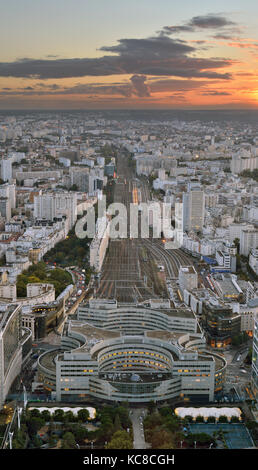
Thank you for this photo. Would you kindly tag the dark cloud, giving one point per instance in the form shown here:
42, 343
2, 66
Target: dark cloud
139, 86
176, 85
215, 93
52, 86
112, 89
210, 21
126, 90
158, 46
222, 36
160, 55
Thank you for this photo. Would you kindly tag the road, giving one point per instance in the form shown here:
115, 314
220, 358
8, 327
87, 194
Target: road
137, 416
238, 375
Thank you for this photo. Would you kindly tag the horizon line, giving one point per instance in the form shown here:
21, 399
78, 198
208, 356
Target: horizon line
129, 109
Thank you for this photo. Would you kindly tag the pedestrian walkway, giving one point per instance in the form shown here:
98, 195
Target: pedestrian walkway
137, 416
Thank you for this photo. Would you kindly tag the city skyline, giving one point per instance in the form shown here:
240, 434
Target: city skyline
64, 55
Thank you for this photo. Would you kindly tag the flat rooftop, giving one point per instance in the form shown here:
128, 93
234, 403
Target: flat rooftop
92, 334
48, 359
188, 269
172, 312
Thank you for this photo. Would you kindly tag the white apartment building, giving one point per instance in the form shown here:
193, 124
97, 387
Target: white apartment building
243, 161
254, 373
99, 244
211, 199
248, 241
11, 348
53, 205
9, 191
188, 278
193, 210
223, 259
5, 208
235, 230
253, 260
6, 169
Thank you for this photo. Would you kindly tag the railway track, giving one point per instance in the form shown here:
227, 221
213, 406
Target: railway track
126, 274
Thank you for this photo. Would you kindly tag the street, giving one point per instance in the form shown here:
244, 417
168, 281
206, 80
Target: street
137, 416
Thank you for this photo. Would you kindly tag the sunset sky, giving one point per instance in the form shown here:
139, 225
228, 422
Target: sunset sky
97, 54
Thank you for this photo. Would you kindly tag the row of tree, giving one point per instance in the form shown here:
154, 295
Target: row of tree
40, 272
165, 430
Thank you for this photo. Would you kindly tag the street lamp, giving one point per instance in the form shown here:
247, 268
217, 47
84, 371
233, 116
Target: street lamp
11, 439
19, 412
25, 399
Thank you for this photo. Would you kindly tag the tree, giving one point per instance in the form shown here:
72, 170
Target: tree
120, 440
35, 413
161, 439
34, 424
80, 432
83, 415
151, 406
58, 415
69, 417
165, 411
46, 415
117, 423
123, 412
68, 441
237, 243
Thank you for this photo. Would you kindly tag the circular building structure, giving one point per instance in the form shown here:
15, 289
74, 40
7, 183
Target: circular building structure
109, 365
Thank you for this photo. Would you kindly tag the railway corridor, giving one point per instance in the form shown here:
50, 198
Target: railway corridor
130, 270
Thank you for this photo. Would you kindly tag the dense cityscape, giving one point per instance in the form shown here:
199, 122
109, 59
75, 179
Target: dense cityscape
128, 232
128, 342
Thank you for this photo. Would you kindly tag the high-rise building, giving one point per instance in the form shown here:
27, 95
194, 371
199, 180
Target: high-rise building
15, 344
6, 169
53, 205
243, 161
5, 208
80, 178
254, 373
253, 260
248, 241
9, 191
221, 324
193, 210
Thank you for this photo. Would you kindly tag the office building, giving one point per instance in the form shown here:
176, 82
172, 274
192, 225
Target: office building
193, 210
136, 354
188, 278
15, 345
220, 323
53, 205
5, 208
253, 260
6, 169
248, 241
254, 373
